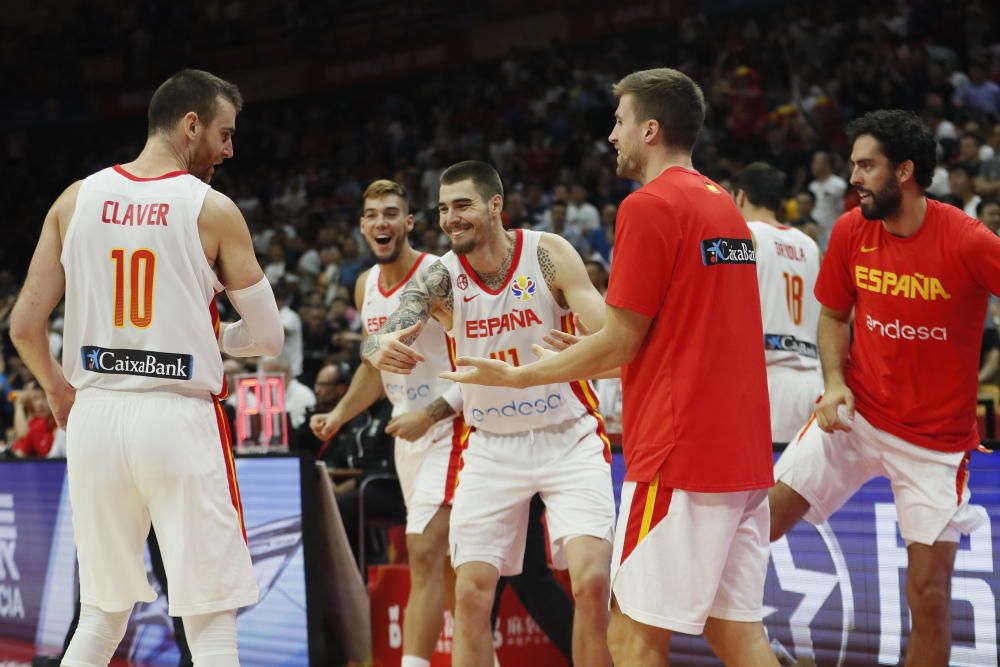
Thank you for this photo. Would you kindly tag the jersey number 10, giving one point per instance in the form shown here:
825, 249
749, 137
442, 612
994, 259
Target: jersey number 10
138, 281
793, 297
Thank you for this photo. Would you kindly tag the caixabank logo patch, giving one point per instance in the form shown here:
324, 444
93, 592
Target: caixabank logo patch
718, 251
118, 361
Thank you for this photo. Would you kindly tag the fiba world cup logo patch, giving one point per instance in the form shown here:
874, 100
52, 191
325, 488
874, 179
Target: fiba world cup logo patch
523, 287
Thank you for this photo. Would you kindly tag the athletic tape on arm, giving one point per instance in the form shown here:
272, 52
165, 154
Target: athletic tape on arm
260, 331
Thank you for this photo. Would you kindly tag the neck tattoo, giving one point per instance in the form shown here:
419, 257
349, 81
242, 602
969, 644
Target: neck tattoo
495, 280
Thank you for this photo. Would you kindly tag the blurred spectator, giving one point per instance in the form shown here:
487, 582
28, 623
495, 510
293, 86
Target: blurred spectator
559, 225
980, 93
34, 425
988, 211
602, 239
516, 213
317, 340
284, 293
828, 190
597, 271
805, 203
352, 263
580, 213
331, 384
275, 267
299, 399
960, 181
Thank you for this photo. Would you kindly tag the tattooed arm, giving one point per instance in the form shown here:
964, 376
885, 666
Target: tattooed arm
567, 279
427, 294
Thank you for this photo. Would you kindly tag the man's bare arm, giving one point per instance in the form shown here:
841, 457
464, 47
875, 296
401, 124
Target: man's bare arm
834, 338
615, 345
229, 248
227, 242
43, 288
427, 294
566, 275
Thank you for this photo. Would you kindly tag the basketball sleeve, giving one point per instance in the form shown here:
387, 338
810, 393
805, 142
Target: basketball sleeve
834, 288
645, 251
980, 253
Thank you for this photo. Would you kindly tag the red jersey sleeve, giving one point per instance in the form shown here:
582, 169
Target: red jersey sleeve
980, 253
834, 287
644, 254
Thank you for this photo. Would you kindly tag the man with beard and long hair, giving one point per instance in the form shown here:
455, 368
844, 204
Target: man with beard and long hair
900, 399
683, 322
426, 422
501, 293
140, 250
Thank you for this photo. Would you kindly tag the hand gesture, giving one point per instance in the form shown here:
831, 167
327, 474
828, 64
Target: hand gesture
324, 426
409, 425
488, 372
835, 411
387, 352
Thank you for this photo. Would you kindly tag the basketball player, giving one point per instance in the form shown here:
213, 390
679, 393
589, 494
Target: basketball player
787, 266
682, 307
429, 437
499, 292
140, 250
900, 400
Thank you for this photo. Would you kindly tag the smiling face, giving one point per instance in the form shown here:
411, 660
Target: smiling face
875, 179
385, 222
626, 137
211, 143
466, 217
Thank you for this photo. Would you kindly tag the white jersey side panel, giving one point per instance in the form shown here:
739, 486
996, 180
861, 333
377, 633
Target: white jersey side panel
787, 266
139, 292
418, 389
503, 325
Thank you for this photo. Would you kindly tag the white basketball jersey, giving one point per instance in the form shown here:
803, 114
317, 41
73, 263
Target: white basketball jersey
418, 389
140, 295
787, 266
503, 325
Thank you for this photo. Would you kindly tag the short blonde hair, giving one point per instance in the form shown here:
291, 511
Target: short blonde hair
384, 187
670, 98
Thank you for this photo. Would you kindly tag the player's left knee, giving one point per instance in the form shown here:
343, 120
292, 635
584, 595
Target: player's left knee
591, 586
928, 597
427, 557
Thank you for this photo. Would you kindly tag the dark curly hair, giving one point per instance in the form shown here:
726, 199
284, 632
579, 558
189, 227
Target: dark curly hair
902, 136
763, 184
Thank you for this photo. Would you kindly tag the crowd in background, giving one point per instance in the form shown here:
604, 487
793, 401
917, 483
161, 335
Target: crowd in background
779, 90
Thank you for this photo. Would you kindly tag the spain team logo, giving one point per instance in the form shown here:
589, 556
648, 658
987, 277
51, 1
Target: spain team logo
523, 287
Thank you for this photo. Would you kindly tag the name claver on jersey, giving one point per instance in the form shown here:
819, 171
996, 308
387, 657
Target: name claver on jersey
727, 251
168, 365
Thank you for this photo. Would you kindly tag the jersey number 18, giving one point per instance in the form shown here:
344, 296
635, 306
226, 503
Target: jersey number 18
793, 297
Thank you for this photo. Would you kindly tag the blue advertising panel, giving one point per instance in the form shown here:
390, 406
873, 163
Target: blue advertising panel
38, 571
835, 593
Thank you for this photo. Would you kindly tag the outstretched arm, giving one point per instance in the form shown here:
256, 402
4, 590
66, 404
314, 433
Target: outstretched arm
427, 294
616, 344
